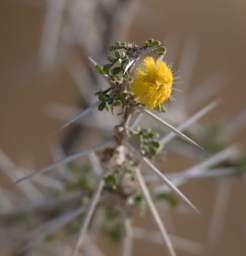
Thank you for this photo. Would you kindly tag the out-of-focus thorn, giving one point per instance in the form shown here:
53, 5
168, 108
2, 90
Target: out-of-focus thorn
205, 91
50, 227
234, 126
27, 188
80, 115
77, 74
187, 123
136, 120
68, 159
51, 32
200, 169
57, 153
179, 243
217, 220
61, 111
186, 67
95, 163
5, 202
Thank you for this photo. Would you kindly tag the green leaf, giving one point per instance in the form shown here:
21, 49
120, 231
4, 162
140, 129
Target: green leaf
152, 42
102, 106
169, 198
161, 108
100, 69
112, 224
110, 181
154, 144
106, 68
116, 71
160, 51
148, 142
140, 203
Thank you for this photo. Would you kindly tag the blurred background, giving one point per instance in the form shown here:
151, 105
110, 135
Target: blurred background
45, 78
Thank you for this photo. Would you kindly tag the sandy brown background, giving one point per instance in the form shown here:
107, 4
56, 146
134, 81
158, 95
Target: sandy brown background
27, 133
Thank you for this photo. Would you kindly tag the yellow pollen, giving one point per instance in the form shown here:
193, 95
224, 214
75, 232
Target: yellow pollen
152, 82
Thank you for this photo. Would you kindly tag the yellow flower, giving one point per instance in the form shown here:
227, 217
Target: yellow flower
152, 82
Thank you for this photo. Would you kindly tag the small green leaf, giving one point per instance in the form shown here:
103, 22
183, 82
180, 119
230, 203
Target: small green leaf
161, 108
116, 71
100, 69
139, 202
110, 181
102, 106
106, 68
154, 144
112, 224
169, 198
160, 51
152, 42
